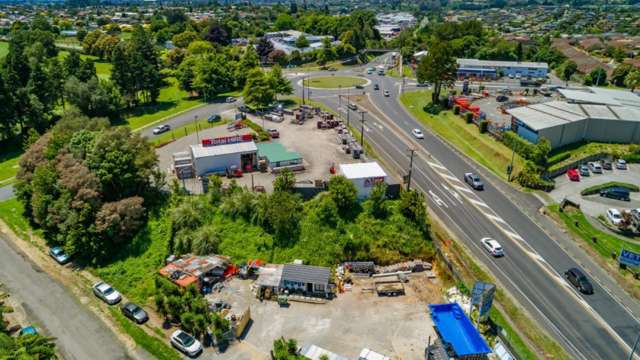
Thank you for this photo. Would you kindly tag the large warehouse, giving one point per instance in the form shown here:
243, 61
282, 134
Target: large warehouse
220, 154
494, 69
563, 122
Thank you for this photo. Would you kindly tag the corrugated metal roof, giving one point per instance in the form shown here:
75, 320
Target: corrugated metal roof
199, 151
275, 152
362, 170
493, 63
599, 112
306, 273
587, 97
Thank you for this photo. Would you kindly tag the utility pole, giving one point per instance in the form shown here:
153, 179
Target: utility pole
339, 96
195, 122
362, 128
403, 82
510, 166
303, 90
348, 109
412, 152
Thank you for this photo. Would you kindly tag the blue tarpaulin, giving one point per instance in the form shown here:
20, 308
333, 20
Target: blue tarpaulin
456, 329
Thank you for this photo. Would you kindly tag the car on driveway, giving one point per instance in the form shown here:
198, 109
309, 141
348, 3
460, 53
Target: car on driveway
577, 279
621, 164
186, 343
573, 175
474, 181
616, 192
595, 167
584, 170
106, 293
386, 93
231, 99
417, 133
614, 216
161, 129
59, 255
134, 312
492, 246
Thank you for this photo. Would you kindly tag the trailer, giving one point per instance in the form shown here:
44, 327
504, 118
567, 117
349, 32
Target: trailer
389, 287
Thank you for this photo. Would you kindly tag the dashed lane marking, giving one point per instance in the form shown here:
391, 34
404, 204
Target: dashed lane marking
495, 218
432, 164
478, 202
462, 188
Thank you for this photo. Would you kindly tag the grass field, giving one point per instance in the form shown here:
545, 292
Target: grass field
4, 49
465, 137
9, 166
334, 82
103, 68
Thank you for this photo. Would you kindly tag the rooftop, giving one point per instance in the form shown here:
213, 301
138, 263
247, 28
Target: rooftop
276, 152
306, 273
314, 352
473, 63
594, 95
199, 151
362, 170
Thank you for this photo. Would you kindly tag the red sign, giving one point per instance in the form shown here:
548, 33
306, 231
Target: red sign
225, 140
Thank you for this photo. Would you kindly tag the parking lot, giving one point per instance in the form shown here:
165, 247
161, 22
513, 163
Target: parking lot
398, 327
594, 205
490, 106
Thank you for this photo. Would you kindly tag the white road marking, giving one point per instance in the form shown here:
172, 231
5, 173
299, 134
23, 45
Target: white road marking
432, 164
437, 199
478, 202
467, 190
495, 218
450, 177
513, 235
452, 192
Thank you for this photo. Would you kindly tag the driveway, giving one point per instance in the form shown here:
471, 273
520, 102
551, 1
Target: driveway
55, 311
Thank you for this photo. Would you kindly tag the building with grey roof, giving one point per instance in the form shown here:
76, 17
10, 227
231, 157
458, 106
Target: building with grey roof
308, 279
564, 123
493, 69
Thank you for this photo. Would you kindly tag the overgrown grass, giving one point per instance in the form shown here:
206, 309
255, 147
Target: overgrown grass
4, 49
596, 188
334, 82
11, 213
483, 148
581, 150
185, 130
155, 346
9, 166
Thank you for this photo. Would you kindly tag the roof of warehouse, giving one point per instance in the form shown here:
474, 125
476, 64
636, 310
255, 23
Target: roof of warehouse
475, 63
275, 152
601, 96
362, 170
216, 150
306, 273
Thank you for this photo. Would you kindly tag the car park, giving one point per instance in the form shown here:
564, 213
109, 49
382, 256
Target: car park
584, 170
106, 293
614, 216
573, 175
273, 133
606, 165
595, 167
474, 181
492, 246
134, 312
621, 164
230, 99
59, 255
161, 129
417, 133
386, 93
578, 280
186, 343
616, 192
376, 87
214, 118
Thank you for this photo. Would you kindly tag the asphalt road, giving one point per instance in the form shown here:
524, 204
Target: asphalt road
588, 327
79, 333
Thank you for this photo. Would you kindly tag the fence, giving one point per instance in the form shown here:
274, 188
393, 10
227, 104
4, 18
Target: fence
563, 169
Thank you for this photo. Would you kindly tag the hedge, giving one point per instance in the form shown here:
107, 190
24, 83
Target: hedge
632, 158
596, 188
556, 159
522, 146
484, 126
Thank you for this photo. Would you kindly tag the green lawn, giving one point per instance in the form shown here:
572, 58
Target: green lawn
9, 166
103, 68
185, 130
334, 82
483, 148
4, 49
11, 213
157, 347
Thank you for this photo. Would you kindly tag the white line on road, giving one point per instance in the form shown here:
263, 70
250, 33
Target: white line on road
464, 189
437, 199
495, 218
450, 177
432, 164
452, 192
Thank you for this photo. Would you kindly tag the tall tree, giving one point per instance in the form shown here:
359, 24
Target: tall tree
632, 81
438, 67
280, 84
258, 89
567, 69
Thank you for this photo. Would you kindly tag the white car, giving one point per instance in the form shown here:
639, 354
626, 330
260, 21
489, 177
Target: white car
106, 293
417, 133
186, 343
595, 167
231, 99
386, 93
492, 246
614, 216
621, 164
161, 129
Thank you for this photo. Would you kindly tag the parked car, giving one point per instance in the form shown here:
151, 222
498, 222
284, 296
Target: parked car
616, 192
422, 84
352, 106
417, 133
245, 109
376, 87
186, 343
332, 69
492, 246
573, 175
595, 167
606, 165
386, 93
29, 330
161, 129
275, 134
231, 99
474, 181
502, 98
614, 216
577, 279
106, 293
584, 170
134, 312
621, 164
359, 86
214, 118
59, 255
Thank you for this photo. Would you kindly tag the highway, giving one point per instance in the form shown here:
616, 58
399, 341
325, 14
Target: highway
587, 326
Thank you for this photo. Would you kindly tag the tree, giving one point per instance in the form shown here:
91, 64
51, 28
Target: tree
249, 61
377, 198
541, 153
186, 74
284, 21
103, 48
343, 192
200, 47
213, 75
95, 98
568, 68
620, 74
284, 349
285, 181
632, 81
264, 47
413, 207
258, 89
302, 42
437, 67
117, 220
183, 39
218, 34
597, 77
277, 57
280, 84
90, 40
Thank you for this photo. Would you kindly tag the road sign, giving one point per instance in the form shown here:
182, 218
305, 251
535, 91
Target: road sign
629, 258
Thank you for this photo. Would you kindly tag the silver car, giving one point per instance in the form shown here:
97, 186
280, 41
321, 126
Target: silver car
186, 343
106, 293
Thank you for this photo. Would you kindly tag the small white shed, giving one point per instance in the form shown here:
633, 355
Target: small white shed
364, 176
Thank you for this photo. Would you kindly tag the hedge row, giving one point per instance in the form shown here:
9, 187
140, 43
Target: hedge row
522, 146
596, 188
556, 159
632, 158
263, 135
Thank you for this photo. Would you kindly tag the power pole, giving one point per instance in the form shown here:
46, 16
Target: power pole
303, 91
362, 128
339, 96
195, 122
348, 109
412, 152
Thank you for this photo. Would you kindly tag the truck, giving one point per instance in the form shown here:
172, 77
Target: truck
389, 287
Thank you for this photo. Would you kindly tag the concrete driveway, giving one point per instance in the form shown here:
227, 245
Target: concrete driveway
594, 205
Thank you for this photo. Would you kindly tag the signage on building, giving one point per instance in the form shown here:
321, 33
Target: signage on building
225, 140
369, 182
629, 258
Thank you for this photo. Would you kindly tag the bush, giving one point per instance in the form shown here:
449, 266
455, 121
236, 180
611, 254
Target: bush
433, 109
558, 158
522, 146
261, 134
529, 177
456, 110
484, 126
468, 117
632, 158
596, 188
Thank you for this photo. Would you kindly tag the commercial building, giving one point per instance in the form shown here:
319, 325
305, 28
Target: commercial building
391, 24
364, 176
492, 69
592, 114
219, 155
278, 157
286, 41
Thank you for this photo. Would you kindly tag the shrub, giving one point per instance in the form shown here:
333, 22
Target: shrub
484, 126
261, 134
558, 158
529, 177
596, 188
522, 146
433, 109
468, 117
632, 158
456, 110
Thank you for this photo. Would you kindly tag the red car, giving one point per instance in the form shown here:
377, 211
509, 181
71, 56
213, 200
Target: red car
573, 175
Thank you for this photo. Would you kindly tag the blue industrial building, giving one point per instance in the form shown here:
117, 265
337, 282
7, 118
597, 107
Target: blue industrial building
490, 69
